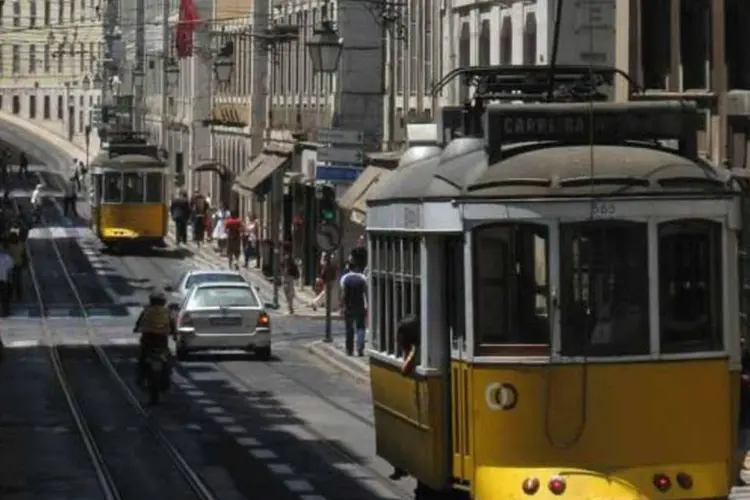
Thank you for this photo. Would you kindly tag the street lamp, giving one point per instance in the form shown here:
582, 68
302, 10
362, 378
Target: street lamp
223, 67
138, 77
325, 48
173, 72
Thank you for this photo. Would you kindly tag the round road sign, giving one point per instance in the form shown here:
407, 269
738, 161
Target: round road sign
328, 237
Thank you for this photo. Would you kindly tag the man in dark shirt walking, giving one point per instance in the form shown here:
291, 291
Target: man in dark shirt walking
354, 307
180, 211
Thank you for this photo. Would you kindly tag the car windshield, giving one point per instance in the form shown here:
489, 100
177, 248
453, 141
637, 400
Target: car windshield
198, 279
224, 296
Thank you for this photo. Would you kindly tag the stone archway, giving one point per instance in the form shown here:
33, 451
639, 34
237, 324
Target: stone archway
40, 145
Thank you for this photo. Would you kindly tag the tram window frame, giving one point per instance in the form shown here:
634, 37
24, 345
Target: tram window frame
454, 292
577, 261
96, 180
107, 178
706, 268
487, 309
152, 189
140, 186
395, 286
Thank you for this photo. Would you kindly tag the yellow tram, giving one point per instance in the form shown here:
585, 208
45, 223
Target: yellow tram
578, 286
129, 205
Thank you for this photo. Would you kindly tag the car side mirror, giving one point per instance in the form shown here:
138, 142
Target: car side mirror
169, 288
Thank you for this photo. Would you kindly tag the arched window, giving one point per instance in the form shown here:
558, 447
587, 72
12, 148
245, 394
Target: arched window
464, 56
484, 44
506, 41
529, 40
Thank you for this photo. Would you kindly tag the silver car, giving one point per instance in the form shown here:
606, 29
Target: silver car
223, 315
195, 277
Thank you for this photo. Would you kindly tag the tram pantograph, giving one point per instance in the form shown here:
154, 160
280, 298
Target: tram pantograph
575, 267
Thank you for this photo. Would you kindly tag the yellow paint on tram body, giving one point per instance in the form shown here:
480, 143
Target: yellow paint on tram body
132, 221
608, 428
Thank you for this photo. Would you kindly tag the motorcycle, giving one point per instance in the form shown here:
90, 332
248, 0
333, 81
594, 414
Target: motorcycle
158, 370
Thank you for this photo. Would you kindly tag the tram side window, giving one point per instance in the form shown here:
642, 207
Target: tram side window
133, 192
112, 187
395, 287
97, 182
154, 187
511, 293
690, 286
604, 288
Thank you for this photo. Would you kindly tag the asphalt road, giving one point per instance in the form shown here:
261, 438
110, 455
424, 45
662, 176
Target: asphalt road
288, 429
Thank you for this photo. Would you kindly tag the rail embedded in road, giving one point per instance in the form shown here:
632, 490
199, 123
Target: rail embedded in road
104, 476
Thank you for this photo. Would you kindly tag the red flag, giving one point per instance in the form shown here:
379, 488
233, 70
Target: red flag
185, 28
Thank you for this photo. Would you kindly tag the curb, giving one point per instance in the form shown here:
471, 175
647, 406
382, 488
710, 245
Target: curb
320, 349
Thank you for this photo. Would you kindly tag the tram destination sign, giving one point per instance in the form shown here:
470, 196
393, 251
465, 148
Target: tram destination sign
580, 125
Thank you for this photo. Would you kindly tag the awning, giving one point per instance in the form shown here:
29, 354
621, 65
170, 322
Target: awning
258, 171
358, 190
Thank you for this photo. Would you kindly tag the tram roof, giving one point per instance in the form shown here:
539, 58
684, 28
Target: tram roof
128, 162
546, 170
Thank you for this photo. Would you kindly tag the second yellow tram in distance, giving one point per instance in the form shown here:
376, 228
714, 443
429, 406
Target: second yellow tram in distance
129, 206
578, 288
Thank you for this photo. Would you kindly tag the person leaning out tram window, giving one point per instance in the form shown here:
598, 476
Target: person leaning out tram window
155, 324
408, 335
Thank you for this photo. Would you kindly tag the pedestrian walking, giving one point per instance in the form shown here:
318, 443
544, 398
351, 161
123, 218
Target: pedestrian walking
70, 199
199, 209
290, 276
354, 308
36, 202
6, 265
17, 252
23, 166
328, 271
233, 229
180, 211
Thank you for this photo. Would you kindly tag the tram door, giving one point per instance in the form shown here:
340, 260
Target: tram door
459, 398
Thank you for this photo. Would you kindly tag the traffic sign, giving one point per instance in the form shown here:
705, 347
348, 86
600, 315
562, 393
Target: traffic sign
328, 237
338, 174
341, 155
341, 137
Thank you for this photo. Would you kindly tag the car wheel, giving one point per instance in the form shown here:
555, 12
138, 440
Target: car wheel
263, 353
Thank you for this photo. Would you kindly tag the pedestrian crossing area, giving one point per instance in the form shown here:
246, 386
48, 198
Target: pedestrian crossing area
74, 311
59, 233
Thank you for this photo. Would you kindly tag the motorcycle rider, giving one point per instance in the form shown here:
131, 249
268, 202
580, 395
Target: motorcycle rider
155, 324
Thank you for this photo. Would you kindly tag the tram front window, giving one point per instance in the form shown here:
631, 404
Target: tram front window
133, 187
690, 286
154, 187
511, 293
112, 187
604, 288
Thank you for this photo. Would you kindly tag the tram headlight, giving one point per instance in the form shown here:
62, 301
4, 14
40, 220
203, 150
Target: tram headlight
662, 482
530, 486
557, 485
685, 480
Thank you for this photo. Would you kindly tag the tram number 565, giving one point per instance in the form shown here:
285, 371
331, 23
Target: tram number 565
603, 210
501, 396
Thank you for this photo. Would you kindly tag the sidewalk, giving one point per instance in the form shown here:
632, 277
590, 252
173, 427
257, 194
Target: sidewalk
209, 254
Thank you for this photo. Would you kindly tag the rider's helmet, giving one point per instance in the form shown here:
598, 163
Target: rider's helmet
157, 298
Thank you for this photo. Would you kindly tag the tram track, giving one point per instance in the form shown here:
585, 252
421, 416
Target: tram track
328, 447
71, 375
